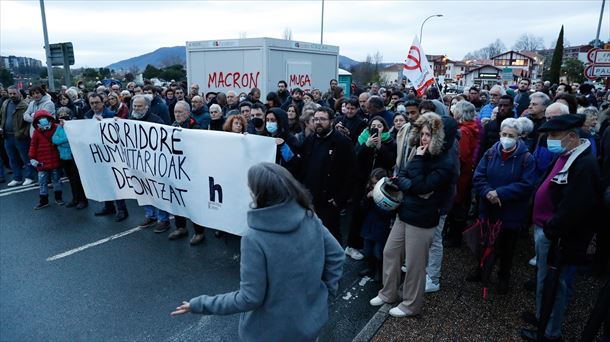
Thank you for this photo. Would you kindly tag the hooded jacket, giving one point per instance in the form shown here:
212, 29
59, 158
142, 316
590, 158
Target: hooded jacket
426, 179
290, 263
42, 148
45, 103
513, 179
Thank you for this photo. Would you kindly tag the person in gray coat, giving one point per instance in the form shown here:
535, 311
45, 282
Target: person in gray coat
290, 263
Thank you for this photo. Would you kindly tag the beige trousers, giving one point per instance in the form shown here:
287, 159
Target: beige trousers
412, 243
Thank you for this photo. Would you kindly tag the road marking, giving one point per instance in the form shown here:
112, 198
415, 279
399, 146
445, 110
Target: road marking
21, 188
93, 244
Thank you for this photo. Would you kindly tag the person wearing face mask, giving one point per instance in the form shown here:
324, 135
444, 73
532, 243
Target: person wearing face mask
503, 181
44, 156
275, 127
256, 123
15, 132
566, 210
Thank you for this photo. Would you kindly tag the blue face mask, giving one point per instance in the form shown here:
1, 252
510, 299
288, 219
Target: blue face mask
44, 123
271, 127
554, 145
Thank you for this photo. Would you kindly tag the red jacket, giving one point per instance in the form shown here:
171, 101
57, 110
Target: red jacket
41, 147
469, 140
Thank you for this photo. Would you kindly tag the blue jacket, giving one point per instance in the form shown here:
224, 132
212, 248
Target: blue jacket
289, 265
63, 146
513, 179
158, 106
486, 110
202, 116
106, 113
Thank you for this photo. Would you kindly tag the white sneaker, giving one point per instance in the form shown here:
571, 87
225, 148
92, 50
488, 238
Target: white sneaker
376, 301
28, 181
532, 261
354, 253
13, 183
430, 286
396, 312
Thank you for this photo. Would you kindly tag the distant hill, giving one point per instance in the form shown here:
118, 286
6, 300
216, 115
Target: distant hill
166, 56
346, 62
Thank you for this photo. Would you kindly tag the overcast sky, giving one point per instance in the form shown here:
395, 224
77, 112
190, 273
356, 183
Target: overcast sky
104, 32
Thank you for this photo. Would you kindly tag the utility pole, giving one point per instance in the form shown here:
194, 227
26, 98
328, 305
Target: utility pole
322, 26
47, 48
599, 25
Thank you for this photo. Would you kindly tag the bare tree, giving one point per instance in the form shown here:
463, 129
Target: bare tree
493, 49
528, 42
288, 33
134, 69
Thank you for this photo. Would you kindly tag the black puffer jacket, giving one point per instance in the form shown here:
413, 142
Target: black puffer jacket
426, 179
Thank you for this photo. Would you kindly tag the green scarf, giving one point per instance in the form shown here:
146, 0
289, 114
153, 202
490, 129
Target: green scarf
364, 136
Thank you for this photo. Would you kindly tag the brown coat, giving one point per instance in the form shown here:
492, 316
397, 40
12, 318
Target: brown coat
21, 128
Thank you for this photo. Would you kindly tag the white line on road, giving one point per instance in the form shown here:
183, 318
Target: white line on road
18, 189
89, 245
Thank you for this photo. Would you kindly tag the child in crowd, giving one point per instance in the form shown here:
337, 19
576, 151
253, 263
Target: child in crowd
67, 161
375, 228
45, 157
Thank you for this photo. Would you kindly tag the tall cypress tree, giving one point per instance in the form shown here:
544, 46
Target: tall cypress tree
555, 71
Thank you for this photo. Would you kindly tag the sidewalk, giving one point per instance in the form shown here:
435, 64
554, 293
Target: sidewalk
459, 312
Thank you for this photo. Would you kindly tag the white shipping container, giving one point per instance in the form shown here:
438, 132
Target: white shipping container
242, 64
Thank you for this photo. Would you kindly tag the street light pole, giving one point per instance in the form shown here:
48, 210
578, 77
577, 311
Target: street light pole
47, 48
599, 25
421, 28
322, 25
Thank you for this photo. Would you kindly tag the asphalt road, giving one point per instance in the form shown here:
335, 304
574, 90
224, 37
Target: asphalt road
62, 278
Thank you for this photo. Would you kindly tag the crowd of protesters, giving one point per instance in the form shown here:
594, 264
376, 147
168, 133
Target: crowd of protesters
525, 158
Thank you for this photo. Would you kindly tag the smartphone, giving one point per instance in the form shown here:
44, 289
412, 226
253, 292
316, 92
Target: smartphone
374, 131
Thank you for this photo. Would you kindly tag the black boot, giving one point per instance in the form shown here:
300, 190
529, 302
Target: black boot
58, 198
369, 270
378, 271
44, 202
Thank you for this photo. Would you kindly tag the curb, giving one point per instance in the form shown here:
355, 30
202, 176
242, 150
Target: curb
372, 326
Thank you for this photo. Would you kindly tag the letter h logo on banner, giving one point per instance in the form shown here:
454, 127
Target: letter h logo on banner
215, 189
417, 69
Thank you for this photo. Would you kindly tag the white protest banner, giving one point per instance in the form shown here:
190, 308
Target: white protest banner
198, 174
417, 69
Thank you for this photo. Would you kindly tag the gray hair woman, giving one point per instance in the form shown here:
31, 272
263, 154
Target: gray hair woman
463, 111
290, 263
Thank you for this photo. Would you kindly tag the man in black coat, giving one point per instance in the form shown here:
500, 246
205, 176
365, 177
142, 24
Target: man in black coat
567, 207
327, 170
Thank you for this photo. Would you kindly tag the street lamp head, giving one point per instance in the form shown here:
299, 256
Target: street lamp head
438, 15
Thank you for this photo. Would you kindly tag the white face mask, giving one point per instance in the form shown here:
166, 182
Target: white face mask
508, 143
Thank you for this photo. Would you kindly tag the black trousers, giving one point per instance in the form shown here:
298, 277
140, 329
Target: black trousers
505, 249
78, 193
181, 223
331, 218
356, 218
